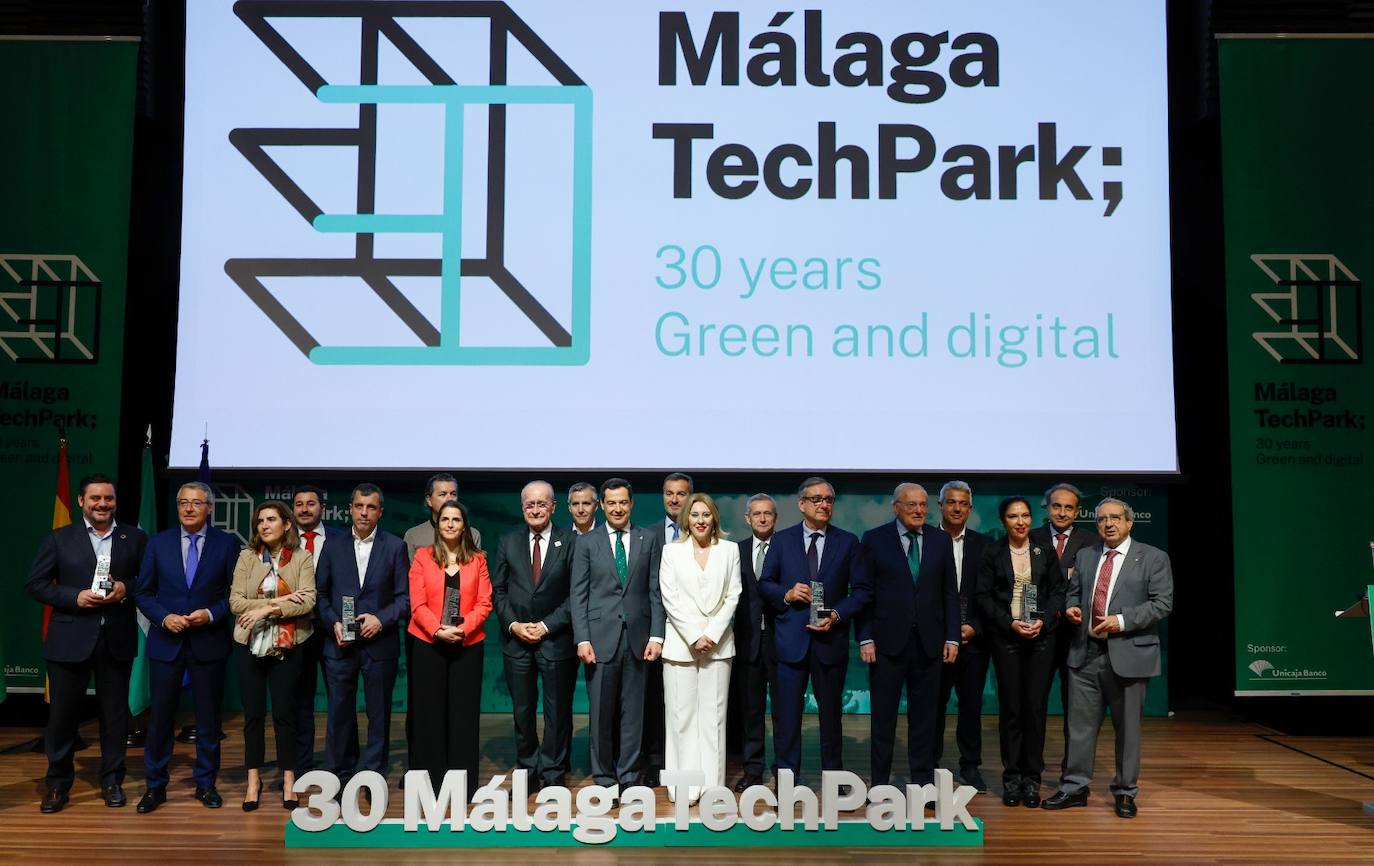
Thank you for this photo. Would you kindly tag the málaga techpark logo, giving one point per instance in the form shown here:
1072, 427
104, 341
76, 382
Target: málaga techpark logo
472, 145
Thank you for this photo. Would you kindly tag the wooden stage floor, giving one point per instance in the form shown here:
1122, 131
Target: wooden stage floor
1212, 791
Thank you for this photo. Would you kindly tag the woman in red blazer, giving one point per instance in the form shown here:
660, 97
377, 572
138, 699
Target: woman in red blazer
446, 665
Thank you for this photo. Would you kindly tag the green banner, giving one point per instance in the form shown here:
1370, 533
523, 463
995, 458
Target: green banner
66, 153
1298, 174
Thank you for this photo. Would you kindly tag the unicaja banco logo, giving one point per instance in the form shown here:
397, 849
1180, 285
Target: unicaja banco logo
1263, 670
1314, 308
485, 129
1259, 666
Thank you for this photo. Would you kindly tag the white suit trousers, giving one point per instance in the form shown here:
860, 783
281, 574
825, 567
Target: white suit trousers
694, 696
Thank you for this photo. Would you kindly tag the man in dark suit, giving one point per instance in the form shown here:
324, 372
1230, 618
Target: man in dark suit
307, 504
183, 590
1061, 503
371, 568
756, 658
582, 504
618, 623
969, 673
1121, 590
911, 631
530, 579
812, 551
93, 629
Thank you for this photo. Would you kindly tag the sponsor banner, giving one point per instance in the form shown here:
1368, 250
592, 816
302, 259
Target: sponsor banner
67, 153
1297, 252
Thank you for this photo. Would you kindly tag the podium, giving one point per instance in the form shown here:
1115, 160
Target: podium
1360, 610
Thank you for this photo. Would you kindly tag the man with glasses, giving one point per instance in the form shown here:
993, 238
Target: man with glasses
530, 579
183, 590
1120, 591
812, 551
913, 582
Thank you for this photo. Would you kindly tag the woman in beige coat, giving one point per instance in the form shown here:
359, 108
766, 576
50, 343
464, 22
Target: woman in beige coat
272, 595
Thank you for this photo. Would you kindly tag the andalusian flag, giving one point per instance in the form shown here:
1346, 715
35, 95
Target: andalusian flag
139, 695
61, 516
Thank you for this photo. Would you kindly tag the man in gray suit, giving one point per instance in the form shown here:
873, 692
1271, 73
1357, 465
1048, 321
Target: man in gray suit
1123, 589
618, 623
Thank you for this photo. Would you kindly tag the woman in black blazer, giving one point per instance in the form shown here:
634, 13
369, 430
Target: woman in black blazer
1022, 650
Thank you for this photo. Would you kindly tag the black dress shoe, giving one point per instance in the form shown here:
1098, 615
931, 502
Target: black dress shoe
151, 799
1011, 797
748, 780
1065, 800
53, 801
845, 790
209, 796
1030, 796
651, 777
974, 779
113, 795
1125, 806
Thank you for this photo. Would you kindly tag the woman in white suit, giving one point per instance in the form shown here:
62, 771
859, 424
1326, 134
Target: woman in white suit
700, 583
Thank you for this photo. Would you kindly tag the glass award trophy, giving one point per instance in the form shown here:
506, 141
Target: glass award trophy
818, 612
453, 603
349, 617
1030, 607
101, 582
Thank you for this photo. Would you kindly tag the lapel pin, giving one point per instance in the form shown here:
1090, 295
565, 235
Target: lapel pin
558, 544
1035, 550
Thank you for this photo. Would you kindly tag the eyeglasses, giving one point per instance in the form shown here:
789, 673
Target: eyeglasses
819, 500
910, 506
1111, 518
194, 503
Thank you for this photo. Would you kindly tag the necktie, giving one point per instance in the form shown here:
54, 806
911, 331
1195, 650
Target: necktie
913, 556
813, 556
536, 563
192, 559
310, 540
622, 565
1104, 580
676, 532
760, 551
1059, 544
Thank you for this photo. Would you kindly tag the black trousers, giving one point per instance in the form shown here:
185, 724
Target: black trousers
280, 675
1063, 639
548, 762
447, 710
307, 686
920, 674
827, 686
760, 686
67, 689
966, 679
1025, 669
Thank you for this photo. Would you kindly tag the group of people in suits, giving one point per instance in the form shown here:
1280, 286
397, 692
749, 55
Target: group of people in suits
656, 615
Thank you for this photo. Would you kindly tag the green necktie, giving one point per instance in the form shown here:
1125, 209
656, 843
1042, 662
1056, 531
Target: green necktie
622, 565
913, 556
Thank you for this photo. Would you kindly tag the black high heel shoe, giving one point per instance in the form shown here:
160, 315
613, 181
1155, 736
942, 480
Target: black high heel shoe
252, 805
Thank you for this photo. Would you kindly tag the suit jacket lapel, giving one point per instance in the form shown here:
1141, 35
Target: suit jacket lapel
641, 541
1127, 573
372, 564
81, 536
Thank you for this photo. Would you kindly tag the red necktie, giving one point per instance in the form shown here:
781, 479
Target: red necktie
537, 563
310, 540
1059, 545
1104, 581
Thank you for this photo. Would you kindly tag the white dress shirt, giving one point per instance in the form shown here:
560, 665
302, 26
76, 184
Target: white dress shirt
362, 552
958, 554
543, 557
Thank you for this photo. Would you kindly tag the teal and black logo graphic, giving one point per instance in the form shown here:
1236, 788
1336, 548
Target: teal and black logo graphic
512, 51
1315, 310
49, 310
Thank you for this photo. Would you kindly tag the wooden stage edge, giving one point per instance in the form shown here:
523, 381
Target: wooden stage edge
1212, 790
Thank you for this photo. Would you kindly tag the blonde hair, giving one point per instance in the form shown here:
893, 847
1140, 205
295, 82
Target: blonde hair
682, 517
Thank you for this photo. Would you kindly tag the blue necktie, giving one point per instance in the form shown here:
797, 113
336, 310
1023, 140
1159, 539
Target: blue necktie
675, 532
192, 560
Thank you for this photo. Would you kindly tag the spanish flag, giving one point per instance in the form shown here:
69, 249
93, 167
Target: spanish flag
61, 516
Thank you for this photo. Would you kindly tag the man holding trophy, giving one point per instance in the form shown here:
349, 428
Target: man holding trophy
85, 572
813, 577
363, 596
